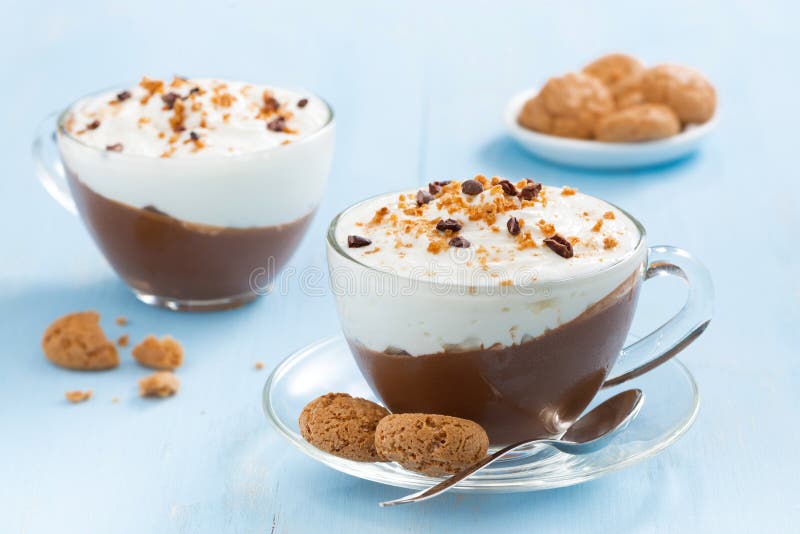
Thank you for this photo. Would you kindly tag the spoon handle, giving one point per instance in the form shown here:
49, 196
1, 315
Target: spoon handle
448, 483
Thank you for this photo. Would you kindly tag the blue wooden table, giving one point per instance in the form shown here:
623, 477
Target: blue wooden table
418, 88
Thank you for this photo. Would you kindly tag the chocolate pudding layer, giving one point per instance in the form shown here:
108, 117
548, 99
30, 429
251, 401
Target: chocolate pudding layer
534, 389
159, 255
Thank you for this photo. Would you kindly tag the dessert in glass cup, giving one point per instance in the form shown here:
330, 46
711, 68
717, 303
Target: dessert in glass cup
507, 303
197, 191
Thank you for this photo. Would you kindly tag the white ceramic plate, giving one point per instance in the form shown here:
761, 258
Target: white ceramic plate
670, 408
600, 155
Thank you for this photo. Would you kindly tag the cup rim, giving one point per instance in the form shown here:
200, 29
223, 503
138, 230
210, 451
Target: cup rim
61, 129
334, 245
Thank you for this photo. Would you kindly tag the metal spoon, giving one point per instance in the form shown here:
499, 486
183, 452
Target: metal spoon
591, 432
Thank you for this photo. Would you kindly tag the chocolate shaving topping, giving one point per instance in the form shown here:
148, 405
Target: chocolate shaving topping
513, 226
436, 187
423, 197
471, 187
116, 147
356, 241
448, 224
530, 191
271, 104
277, 125
169, 99
193, 136
303, 102
95, 124
459, 242
123, 96
559, 245
508, 188
193, 90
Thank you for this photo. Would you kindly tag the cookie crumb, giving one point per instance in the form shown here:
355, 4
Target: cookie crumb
123, 340
76, 341
164, 354
259, 366
160, 384
78, 396
121, 320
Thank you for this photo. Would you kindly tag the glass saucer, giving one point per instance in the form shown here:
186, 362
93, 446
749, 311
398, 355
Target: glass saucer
671, 404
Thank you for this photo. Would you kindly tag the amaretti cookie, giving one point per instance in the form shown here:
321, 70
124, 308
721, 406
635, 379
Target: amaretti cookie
76, 341
568, 106
343, 426
644, 122
685, 90
613, 69
435, 445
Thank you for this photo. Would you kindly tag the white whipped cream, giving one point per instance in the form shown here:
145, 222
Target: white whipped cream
226, 117
407, 298
244, 174
573, 215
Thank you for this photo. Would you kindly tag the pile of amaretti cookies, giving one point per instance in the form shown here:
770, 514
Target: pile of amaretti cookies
617, 99
361, 430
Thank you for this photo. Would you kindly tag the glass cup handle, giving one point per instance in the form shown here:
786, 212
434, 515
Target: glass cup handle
677, 333
47, 163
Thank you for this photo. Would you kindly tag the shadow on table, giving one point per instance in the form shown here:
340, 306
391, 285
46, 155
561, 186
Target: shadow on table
607, 504
28, 310
505, 157
32, 308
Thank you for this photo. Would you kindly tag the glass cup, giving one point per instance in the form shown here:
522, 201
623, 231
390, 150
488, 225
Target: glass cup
199, 233
534, 385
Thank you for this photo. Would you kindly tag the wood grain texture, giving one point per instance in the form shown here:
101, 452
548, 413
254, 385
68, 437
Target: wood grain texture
418, 88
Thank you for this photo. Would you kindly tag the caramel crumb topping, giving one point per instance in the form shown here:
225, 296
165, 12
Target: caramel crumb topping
525, 240
152, 87
379, 215
609, 215
223, 100
546, 228
179, 115
597, 226
568, 191
435, 246
609, 243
